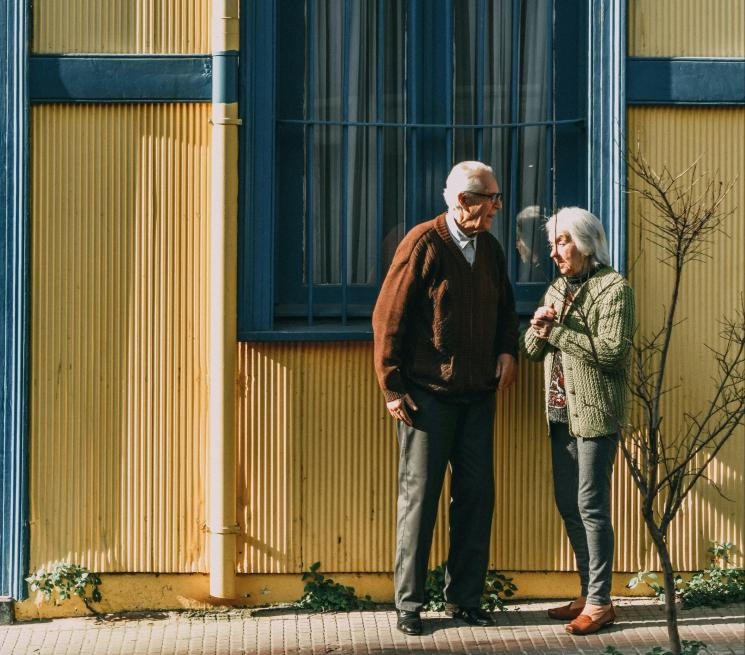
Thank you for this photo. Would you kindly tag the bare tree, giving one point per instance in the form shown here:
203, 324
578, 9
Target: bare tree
683, 212
687, 209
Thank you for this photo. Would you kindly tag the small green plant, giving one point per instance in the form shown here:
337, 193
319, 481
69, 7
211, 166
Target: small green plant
66, 580
721, 554
496, 586
687, 648
649, 578
434, 587
716, 585
324, 595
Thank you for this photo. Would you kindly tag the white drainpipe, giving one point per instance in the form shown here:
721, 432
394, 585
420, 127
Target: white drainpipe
222, 308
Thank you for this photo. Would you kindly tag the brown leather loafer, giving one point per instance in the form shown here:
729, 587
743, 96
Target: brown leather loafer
584, 625
564, 613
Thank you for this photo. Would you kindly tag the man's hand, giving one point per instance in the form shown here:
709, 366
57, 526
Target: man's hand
506, 371
543, 321
397, 408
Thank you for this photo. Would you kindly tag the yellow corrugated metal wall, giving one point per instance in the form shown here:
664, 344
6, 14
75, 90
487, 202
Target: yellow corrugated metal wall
675, 137
317, 473
118, 363
317, 462
122, 26
686, 28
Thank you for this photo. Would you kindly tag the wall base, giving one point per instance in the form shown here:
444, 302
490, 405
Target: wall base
123, 592
6, 610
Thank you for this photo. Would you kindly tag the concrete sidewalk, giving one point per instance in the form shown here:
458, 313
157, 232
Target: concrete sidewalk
523, 629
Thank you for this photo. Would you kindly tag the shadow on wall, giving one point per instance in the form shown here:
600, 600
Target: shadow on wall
318, 457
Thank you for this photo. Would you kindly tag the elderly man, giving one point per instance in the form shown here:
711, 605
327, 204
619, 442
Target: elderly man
445, 339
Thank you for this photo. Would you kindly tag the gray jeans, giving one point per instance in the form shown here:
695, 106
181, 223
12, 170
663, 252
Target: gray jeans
460, 434
582, 488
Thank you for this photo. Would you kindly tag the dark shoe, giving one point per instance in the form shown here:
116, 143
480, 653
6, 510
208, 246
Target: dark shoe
410, 623
473, 616
584, 625
564, 613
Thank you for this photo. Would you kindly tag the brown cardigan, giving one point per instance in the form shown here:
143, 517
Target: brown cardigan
439, 323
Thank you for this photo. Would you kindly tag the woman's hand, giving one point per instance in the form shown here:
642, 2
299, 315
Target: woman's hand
543, 321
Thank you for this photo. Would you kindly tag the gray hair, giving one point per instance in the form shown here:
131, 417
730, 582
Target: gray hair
464, 177
584, 229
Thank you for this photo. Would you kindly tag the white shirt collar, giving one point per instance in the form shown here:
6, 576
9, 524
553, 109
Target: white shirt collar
461, 239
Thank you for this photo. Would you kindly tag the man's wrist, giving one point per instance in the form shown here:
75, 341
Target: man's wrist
392, 395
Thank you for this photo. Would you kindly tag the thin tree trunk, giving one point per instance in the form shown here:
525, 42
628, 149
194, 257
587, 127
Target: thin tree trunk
671, 609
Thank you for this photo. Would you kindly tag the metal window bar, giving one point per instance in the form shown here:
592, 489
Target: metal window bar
414, 125
345, 159
480, 66
410, 192
379, 109
449, 81
309, 157
514, 118
550, 133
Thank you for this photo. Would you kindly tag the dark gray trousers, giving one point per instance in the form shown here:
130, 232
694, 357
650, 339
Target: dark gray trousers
583, 469
460, 434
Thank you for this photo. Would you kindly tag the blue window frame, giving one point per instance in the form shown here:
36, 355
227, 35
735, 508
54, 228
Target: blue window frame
358, 109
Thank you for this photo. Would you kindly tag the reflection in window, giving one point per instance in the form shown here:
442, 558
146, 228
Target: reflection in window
530, 242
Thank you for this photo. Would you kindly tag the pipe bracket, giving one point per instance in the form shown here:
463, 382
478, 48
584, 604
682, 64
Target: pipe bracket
226, 529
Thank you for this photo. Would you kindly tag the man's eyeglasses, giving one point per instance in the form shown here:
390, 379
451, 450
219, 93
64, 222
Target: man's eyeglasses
494, 197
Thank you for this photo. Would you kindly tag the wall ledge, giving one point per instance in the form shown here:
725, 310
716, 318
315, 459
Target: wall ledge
133, 592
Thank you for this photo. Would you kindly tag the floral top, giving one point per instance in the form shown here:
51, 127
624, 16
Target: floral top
557, 397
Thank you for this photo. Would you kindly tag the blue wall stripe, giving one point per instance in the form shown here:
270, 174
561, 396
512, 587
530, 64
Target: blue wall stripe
670, 81
224, 77
14, 298
123, 78
164, 78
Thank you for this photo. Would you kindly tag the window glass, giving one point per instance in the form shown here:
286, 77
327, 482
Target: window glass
391, 95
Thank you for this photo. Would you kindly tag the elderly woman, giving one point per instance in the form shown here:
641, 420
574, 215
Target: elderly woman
583, 335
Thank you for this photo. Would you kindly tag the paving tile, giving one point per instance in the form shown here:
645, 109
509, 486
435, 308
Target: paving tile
523, 629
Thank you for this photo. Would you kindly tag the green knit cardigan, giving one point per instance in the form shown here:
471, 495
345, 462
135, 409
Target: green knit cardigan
595, 369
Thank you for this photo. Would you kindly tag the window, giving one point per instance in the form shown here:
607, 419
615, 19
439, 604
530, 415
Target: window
374, 101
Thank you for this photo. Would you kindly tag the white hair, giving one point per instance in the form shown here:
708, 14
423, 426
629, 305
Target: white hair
584, 229
464, 176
